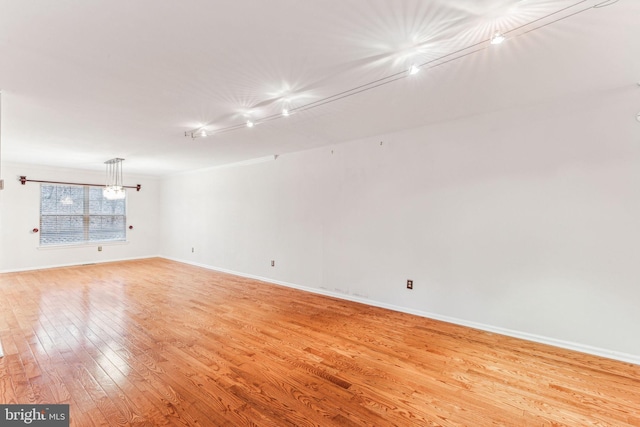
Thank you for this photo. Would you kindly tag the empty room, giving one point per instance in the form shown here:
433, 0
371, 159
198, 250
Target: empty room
327, 213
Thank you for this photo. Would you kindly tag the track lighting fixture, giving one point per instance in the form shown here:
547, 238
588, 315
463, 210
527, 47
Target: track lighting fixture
497, 38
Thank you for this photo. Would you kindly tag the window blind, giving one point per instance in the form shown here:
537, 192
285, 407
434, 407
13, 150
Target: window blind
72, 214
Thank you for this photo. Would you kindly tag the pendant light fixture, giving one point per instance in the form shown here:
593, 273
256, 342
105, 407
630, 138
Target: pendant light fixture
113, 189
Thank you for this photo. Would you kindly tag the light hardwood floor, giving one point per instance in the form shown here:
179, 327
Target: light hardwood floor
155, 342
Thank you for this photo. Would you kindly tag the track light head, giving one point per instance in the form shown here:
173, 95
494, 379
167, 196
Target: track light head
497, 38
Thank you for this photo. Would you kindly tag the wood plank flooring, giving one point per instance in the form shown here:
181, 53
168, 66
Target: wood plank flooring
159, 343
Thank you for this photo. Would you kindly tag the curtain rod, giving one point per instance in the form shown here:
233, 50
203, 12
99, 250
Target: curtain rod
24, 180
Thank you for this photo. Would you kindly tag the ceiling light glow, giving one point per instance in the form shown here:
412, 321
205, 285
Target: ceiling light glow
250, 124
497, 38
285, 112
203, 133
414, 69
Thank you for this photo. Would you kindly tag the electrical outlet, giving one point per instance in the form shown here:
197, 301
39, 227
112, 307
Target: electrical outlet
273, 263
409, 284
99, 248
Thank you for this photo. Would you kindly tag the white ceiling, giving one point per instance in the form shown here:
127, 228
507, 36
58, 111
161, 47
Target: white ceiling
86, 81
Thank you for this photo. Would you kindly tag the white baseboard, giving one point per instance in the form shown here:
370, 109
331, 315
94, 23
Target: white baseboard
569, 345
75, 264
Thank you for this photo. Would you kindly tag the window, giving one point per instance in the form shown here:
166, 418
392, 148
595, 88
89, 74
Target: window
72, 214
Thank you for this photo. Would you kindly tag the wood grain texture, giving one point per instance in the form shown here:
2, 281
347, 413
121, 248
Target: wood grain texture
159, 343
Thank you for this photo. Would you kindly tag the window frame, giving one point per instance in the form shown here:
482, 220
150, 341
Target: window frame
86, 220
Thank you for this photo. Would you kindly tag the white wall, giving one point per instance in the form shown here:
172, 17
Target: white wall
20, 209
523, 221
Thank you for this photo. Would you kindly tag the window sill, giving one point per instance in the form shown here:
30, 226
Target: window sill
82, 245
